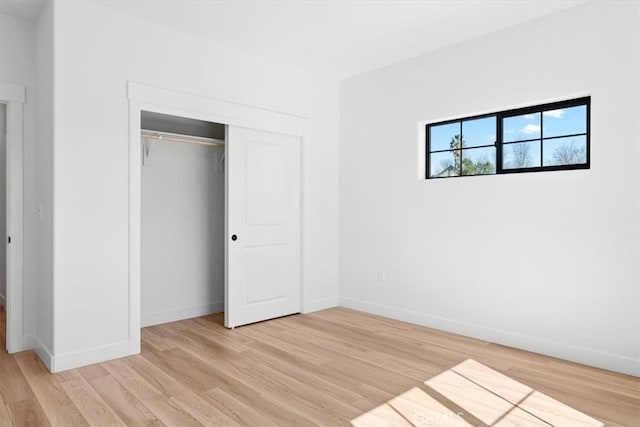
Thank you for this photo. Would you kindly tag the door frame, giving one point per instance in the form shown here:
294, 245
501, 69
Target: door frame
143, 97
14, 96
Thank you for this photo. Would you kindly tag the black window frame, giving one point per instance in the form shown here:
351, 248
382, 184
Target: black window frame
499, 143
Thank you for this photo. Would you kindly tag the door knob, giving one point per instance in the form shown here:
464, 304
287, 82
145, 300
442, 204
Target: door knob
234, 237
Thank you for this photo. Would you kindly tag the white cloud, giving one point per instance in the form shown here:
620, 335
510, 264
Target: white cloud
529, 129
491, 137
530, 116
557, 114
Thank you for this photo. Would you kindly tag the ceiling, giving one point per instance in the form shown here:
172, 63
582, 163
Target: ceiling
340, 37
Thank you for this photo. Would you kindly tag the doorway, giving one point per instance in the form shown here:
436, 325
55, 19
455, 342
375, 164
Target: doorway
3, 225
12, 99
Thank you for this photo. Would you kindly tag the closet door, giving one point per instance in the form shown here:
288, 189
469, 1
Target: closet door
263, 226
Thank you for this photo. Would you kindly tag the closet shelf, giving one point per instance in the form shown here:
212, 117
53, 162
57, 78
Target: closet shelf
181, 139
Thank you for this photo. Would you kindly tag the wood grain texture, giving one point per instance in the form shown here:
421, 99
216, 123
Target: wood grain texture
27, 413
334, 367
125, 405
5, 417
54, 401
92, 407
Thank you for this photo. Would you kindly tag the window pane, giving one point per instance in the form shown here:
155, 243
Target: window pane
444, 164
565, 151
479, 161
521, 155
519, 128
565, 121
479, 132
441, 136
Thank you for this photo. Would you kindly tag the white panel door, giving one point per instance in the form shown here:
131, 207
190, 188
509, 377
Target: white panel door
263, 226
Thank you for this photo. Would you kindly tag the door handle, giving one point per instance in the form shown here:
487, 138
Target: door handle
234, 237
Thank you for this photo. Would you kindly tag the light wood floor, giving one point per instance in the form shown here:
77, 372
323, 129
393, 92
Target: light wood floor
328, 368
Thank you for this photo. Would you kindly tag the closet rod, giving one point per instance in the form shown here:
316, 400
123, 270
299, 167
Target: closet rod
184, 139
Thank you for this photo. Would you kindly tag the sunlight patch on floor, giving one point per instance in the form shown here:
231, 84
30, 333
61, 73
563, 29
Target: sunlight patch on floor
471, 394
412, 408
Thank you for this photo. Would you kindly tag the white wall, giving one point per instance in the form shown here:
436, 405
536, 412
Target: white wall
44, 298
182, 232
543, 261
91, 160
17, 66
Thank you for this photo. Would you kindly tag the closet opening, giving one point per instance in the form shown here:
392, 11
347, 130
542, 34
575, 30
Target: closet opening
182, 218
215, 210
3, 227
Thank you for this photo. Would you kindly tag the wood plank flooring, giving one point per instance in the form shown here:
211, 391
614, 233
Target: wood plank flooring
334, 367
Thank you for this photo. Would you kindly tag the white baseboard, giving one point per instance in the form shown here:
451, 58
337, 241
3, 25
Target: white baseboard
320, 304
23, 343
160, 317
64, 362
613, 362
3, 301
44, 354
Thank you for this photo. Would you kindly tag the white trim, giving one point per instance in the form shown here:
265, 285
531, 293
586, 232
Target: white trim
143, 97
44, 354
199, 107
64, 362
167, 316
14, 97
320, 304
73, 360
135, 214
3, 301
599, 359
304, 141
27, 343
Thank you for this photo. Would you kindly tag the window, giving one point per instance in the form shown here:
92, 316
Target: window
545, 137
